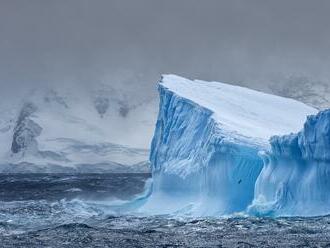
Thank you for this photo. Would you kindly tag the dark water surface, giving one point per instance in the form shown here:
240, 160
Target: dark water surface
47, 210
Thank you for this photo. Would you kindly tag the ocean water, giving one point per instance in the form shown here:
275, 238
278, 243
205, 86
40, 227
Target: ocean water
60, 210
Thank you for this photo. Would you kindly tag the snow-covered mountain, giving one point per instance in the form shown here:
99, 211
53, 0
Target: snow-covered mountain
220, 149
313, 92
76, 129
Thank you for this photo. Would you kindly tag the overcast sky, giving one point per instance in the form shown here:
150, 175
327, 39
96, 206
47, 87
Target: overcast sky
85, 41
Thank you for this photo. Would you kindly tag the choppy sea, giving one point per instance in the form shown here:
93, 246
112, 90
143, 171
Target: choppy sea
62, 210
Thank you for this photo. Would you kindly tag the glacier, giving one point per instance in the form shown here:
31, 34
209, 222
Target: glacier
220, 149
75, 129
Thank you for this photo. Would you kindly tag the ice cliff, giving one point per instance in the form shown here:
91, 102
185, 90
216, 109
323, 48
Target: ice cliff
295, 179
220, 149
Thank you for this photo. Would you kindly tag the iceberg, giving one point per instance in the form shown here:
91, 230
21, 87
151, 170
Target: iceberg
295, 179
211, 154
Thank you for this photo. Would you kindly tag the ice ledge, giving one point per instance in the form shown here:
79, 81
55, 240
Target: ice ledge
295, 176
241, 111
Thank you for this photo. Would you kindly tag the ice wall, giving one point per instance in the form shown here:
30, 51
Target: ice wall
295, 179
204, 153
194, 162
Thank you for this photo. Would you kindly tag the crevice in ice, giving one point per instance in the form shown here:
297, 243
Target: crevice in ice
296, 177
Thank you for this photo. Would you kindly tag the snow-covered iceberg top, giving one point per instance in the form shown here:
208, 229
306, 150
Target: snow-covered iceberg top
240, 110
211, 153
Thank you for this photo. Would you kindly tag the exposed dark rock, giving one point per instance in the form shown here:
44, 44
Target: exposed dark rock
102, 105
53, 96
26, 130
